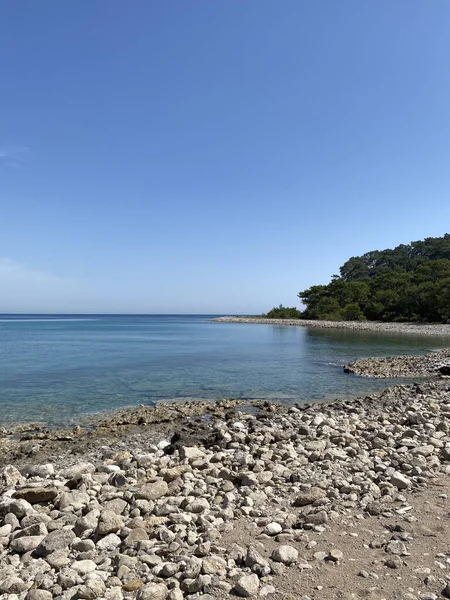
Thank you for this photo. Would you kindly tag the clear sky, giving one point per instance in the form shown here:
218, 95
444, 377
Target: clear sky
214, 156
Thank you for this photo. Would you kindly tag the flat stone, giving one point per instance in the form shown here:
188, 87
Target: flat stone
75, 499
191, 452
58, 559
83, 567
109, 542
26, 544
37, 494
77, 470
309, 497
39, 595
59, 539
152, 491
133, 586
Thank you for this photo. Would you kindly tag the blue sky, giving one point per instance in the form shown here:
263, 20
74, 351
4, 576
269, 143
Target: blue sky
214, 156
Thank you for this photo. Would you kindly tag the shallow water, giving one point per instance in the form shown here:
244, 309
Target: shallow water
56, 368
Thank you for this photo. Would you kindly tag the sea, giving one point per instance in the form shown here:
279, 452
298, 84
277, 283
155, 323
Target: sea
61, 369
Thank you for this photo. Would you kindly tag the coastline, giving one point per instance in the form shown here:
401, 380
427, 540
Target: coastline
187, 500
436, 330
318, 498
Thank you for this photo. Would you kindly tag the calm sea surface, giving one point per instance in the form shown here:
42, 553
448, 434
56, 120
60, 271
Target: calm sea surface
56, 369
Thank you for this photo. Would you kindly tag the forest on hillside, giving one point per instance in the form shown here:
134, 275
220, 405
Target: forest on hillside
408, 283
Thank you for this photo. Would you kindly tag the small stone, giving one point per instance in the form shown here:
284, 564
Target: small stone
42, 471
198, 505
152, 491
253, 557
190, 452
153, 591
136, 535
39, 595
267, 590
75, 499
67, 578
213, 564
396, 547
109, 542
19, 508
26, 544
285, 554
83, 567
10, 476
77, 470
400, 481
273, 529
13, 585
247, 586
58, 559
309, 497
335, 555
58, 539
133, 586
83, 546
364, 574
94, 588
394, 563
109, 522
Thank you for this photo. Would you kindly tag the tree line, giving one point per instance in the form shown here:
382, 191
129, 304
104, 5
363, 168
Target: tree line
408, 283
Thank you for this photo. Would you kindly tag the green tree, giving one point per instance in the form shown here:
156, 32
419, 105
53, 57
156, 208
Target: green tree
408, 283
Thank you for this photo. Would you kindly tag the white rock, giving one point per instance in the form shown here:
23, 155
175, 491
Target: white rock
400, 481
273, 529
83, 567
247, 586
109, 542
43, 471
285, 554
191, 452
153, 591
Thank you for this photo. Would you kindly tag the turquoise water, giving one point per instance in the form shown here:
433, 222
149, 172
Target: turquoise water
56, 369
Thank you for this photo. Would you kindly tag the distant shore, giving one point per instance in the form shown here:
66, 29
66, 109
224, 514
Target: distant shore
437, 330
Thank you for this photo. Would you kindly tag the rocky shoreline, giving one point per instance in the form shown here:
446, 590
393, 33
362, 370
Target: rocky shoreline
433, 364
437, 330
320, 501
